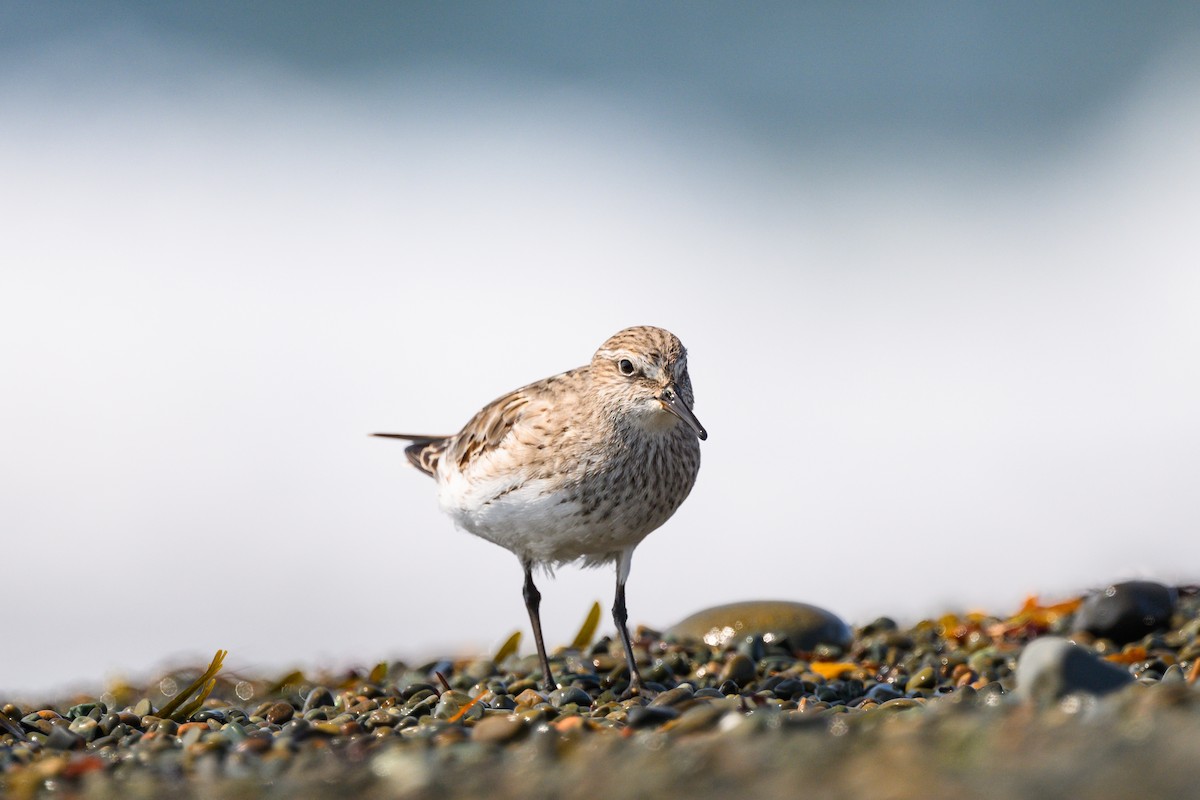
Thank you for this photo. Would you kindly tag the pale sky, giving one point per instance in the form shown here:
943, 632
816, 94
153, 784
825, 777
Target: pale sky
935, 376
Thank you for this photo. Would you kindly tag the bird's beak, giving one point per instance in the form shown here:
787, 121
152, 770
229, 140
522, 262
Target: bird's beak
674, 403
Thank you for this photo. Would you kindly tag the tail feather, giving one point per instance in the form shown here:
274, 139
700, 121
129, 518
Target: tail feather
424, 451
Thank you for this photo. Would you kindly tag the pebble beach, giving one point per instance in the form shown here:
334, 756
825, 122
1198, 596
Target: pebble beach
1092, 695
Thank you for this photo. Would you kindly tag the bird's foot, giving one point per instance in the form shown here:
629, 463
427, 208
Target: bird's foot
638, 689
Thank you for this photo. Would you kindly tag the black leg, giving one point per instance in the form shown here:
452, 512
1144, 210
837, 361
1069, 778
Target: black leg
533, 600
621, 617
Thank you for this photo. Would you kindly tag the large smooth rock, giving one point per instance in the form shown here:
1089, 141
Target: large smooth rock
1052, 667
804, 626
1125, 612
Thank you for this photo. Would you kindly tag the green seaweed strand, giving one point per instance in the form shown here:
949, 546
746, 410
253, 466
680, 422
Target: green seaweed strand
178, 700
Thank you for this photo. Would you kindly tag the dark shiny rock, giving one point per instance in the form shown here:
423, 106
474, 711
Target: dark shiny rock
319, 697
93, 710
674, 696
739, 669
503, 701
61, 738
753, 647
650, 716
879, 625
585, 682
572, 694
787, 689
296, 729
108, 722
882, 692
828, 693
414, 688
1125, 612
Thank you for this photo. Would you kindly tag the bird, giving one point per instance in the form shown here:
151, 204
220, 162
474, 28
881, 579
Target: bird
576, 468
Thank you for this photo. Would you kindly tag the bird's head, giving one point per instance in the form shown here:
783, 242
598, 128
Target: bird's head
642, 373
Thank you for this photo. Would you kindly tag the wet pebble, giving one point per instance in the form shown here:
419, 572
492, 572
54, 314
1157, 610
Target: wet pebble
900, 704
803, 626
746, 688
108, 722
93, 710
166, 727
529, 698
85, 727
674, 696
922, 679
697, 718
1051, 667
1125, 612
319, 697
62, 738
571, 695
295, 729
451, 703
1174, 675
739, 670
279, 713
882, 692
190, 732
650, 716
497, 729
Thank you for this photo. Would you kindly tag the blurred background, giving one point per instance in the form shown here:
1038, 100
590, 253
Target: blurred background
936, 267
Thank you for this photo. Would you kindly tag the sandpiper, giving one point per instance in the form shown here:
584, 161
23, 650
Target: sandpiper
578, 467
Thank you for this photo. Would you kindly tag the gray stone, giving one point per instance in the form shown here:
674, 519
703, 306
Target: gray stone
572, 694
1051, 667
1174, 675
62, 738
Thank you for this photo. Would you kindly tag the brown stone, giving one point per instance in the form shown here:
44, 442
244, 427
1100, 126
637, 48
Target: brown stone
280, 713
497, 729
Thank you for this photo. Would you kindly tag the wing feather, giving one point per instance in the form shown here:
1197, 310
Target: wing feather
487, 430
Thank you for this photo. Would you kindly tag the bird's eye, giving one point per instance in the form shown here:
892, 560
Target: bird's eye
626, 366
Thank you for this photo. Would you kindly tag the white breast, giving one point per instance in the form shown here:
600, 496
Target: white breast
533, 520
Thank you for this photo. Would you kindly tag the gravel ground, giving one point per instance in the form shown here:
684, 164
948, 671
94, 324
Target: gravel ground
742, 703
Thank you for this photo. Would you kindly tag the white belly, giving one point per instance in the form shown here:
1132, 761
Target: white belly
536, 523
